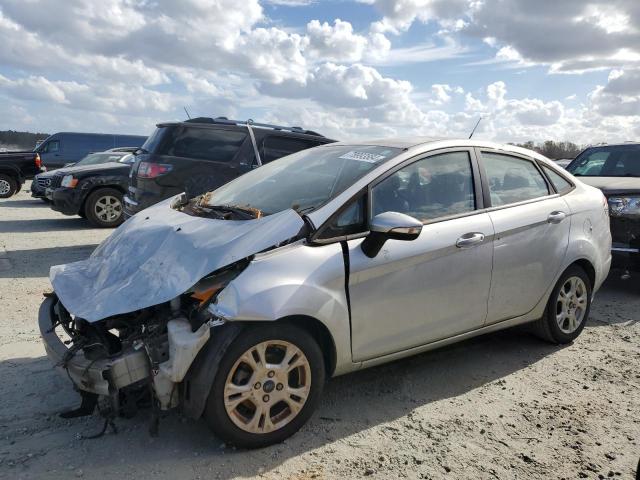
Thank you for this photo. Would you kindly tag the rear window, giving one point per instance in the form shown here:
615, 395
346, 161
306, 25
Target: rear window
274, 147
562, 185
216, 145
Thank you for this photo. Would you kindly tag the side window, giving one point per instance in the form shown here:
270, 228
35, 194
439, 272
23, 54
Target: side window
562, 185
512, 179
436, 186
51, 147
217, 145
350, 221
274, 147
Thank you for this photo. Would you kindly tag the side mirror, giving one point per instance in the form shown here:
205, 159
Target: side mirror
390, 226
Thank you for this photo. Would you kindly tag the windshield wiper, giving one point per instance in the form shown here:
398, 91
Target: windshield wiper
246, 213
304, 210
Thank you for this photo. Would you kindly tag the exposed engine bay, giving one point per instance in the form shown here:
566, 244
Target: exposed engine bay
137, 359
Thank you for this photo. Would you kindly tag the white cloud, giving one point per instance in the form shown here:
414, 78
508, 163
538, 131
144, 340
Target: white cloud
621, 95
335, 42
570, 36
129, 63
398, 15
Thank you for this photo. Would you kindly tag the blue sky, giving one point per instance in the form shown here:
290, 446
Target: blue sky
542, 70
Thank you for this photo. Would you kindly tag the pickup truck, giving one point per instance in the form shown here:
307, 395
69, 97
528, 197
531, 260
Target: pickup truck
15, 168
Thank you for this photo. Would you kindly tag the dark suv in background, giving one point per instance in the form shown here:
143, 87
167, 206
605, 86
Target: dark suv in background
92, 188
615, 169
202, 154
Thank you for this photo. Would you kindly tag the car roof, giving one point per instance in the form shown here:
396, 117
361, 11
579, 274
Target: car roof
425, 144
222, 122
617, 144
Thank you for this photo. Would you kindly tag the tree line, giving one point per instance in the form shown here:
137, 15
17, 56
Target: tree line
553, 150
12, 140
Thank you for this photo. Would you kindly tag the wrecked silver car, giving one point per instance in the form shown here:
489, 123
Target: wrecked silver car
237, 304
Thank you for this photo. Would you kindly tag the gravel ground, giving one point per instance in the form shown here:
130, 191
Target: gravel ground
501, 406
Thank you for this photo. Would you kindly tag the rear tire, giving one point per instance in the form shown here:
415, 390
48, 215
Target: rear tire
103, 208
252, 405
8, 186
568, 308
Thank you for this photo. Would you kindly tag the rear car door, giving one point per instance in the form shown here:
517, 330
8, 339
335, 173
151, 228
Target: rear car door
531, 225
416, 292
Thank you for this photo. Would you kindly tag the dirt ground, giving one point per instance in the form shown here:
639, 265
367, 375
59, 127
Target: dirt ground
501, 406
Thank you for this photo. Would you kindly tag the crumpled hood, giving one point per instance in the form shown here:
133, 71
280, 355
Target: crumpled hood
157, 255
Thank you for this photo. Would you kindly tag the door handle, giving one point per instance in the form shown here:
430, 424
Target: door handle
470, 239
556, 217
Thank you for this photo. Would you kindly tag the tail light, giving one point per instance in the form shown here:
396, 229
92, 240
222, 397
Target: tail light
38, 161
152, 170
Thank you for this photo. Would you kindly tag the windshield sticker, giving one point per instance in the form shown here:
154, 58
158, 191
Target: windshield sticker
362, 157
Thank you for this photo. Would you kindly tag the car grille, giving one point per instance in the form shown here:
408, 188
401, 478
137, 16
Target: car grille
56, 180
43, 182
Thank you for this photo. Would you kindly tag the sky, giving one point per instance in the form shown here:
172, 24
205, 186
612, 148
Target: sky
533, 70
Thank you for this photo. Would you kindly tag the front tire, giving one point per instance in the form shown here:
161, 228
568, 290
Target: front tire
103, 208
568, 307
267, 386
8, 186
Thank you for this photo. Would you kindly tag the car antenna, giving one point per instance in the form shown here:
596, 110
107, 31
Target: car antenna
187, 112
474, 128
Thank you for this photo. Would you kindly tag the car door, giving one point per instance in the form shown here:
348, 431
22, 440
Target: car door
416, 292
531, 225
50, 153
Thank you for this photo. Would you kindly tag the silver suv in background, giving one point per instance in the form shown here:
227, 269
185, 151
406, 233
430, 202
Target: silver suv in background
238, 304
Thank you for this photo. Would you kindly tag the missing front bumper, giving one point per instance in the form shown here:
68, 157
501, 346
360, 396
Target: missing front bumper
103, 376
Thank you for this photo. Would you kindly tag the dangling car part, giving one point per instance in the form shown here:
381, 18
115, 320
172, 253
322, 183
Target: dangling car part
236, 305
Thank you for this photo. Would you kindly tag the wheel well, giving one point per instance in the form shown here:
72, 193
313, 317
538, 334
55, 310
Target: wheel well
588, 268
321, 333
98, 187
11, 173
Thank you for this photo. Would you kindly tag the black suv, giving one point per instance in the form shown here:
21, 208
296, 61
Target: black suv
615, 169
202, 154
92, 188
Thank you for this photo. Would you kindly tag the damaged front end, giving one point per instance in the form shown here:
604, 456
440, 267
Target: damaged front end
127, 323
140, 358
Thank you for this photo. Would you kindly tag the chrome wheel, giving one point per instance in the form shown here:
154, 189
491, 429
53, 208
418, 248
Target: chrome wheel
571, 304
108, 208
5, 187
267, 386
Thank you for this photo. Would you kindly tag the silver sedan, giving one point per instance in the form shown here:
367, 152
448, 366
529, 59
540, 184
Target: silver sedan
238, 305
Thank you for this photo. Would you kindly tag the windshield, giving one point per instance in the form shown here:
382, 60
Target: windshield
303, 181
97, 158
607, 161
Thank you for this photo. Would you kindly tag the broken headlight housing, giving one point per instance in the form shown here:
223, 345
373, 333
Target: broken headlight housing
622, 206
206, 290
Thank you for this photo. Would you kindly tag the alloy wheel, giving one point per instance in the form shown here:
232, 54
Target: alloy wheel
571, 304
5, 187
267, 386
108, 208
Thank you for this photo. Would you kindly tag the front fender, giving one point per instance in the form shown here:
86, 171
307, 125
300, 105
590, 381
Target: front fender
297, 280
